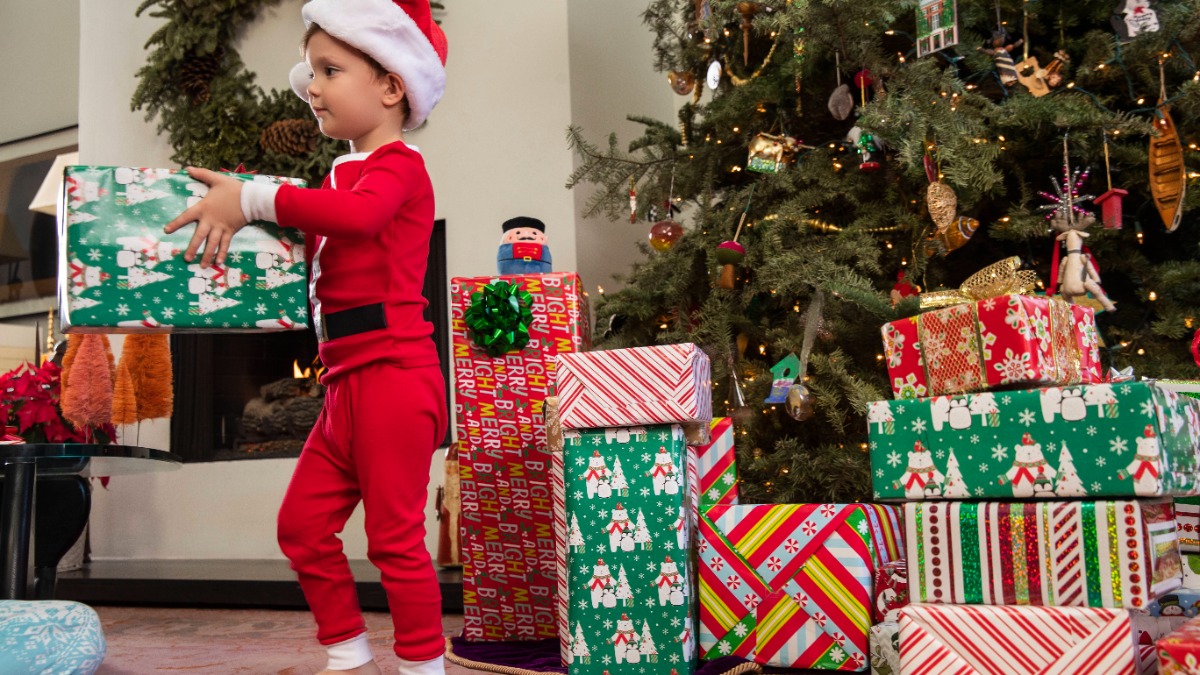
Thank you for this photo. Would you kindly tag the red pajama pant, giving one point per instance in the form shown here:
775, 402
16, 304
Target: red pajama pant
373, 442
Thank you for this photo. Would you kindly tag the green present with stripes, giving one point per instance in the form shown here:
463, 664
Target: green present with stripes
1131, 439
1077, 553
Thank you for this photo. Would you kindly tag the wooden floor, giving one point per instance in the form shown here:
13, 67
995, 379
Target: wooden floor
221, 583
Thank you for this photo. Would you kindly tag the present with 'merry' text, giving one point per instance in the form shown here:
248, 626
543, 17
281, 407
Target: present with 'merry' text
119, 273
509, 569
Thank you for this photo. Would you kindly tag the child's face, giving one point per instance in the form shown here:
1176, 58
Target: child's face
348, 99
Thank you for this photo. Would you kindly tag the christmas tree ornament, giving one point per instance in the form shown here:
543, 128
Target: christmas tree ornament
942, 203
736, 405
748, 10
783, 375
954, 237
1110, 202
799, 405
632, 200
770, 153
665, 234
1000, 48
729, 254
713, 78
1029, 73
1168, 174
863, 81
903, 288
1077, 275
1053, 70
841, 101
866, 145
683, 82
1133, 18
937, 25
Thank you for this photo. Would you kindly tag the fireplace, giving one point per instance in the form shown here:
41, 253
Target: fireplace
247, 396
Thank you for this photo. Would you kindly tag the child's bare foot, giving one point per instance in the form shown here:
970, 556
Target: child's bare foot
369, 668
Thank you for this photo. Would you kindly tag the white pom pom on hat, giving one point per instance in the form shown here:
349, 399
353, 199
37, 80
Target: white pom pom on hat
399, 34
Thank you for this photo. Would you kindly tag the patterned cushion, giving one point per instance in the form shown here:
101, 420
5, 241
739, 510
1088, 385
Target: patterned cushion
49, 637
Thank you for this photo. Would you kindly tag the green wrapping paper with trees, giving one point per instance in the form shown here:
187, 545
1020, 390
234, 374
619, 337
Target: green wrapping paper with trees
119, 273
1106, 440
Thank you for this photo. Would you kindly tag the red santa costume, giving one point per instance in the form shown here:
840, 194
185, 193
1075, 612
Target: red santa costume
367, 241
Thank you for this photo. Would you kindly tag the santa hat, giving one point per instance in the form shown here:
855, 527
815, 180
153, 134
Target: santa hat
399, 34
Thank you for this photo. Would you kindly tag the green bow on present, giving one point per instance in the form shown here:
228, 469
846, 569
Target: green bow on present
499, 317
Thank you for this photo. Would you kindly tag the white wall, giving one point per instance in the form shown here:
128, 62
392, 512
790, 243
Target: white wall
40, 43
494, 147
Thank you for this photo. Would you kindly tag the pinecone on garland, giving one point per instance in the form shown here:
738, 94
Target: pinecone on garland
196, 75
290, 137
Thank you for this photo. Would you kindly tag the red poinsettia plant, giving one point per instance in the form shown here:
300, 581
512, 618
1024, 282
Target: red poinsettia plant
29, 401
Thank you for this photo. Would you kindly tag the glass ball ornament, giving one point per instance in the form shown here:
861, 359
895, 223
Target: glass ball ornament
798, 403
664, 234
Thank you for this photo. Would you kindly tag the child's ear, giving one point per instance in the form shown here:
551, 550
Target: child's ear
393, 91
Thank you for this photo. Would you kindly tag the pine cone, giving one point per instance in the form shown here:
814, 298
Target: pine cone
196, 75
290, 137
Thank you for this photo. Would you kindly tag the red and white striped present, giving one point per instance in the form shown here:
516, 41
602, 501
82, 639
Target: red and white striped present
1017, 640
664, 384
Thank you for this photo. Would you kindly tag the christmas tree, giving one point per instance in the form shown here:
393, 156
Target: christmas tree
1069, 484
575, 536
619, 484
641, 533
792, 189
579, 646
624, 591
646, 647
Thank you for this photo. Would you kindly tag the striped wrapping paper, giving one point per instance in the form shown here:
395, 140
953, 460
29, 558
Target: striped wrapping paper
790, 585
1081, 553
1003, 640
665, 384
718, 465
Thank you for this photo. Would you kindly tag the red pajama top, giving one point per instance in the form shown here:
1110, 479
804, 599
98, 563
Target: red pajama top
368, 230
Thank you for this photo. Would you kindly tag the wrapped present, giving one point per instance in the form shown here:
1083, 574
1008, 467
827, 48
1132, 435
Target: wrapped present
1183, 602
718, 465
991, 336
891, 590
884, 642
1179, 650
790, 584
1187, 513
1079, 553
119, 273
1100, 440
629, 515
996, 640
507, 542
665, 384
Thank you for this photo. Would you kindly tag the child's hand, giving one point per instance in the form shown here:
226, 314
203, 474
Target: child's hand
218, 216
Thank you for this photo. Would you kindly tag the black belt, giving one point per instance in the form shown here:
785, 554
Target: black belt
351, 322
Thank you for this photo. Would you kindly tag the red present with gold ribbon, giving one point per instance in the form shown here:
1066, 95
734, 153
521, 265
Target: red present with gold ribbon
989, 335
508, 557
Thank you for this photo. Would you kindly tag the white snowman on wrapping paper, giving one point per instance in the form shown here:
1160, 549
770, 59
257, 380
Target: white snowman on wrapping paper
137, 184
626, 641
1146, 466
1031, 475
921, 479
597, 478
215, 279
82, 277
146, 251
670, 584
620, 530
602, 586
274, 260
665, 474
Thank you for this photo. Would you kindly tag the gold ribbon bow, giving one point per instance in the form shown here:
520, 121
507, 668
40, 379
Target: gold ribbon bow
995, 280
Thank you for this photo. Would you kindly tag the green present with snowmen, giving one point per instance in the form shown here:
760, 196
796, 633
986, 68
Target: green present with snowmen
1130, 439
119, 273
631, 516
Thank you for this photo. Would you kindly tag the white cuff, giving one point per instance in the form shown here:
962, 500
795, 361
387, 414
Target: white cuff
258, 201
431, 667
349, 654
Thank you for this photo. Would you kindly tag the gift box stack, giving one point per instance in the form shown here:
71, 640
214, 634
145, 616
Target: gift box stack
627, 485
504, 369
118, 272
999, 398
